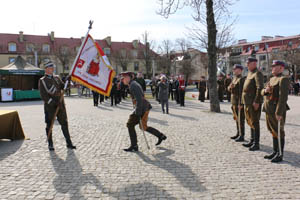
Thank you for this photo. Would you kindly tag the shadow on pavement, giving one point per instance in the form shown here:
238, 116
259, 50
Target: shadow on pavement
183, 117
8, 147
158, 121
144, 190
289, 157
70, 177
180, 171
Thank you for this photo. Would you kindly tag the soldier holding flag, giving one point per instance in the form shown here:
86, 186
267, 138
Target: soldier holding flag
275, 106
51, 87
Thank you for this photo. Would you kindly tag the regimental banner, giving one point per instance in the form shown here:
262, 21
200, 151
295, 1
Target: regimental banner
92, 68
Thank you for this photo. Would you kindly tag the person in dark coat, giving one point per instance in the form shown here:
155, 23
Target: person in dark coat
227, 82
140, 114
202, 89
181, 90
141, 81
220, 83
95, 97
164, 93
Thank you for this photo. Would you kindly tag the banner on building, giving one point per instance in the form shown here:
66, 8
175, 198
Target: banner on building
92, 68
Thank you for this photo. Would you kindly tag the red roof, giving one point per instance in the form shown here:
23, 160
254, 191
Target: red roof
58, 42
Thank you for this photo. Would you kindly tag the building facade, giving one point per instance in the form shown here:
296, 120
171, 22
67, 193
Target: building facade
36, 49
267, 49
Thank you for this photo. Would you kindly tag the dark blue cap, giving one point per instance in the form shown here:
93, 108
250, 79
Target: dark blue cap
238, 66
278, 62
251, 59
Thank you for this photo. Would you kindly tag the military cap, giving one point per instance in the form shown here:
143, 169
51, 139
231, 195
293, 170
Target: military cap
278, 62
123, 74
48, 63
238, 66
251, 59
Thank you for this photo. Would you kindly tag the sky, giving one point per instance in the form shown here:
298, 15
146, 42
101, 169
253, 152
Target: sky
128, 20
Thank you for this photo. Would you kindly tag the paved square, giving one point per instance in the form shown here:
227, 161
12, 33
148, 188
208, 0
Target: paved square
197, 161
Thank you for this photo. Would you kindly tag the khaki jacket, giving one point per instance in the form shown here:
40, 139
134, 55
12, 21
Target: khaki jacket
252, 88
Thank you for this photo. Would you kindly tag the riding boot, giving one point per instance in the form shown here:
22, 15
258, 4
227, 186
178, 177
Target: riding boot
278, 157
237, 133
156, 133
50, 141
255, 146
66, 133
242, 134
133, 140
275, 150
250, 143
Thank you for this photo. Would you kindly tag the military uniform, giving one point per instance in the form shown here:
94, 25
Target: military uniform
51, 87
227, 82
141, 112
236, 88
220, 83
252, 94
202, 90
276, 104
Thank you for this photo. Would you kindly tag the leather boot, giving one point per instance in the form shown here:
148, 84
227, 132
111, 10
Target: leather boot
275, 150
132, 148
156, 133
250, 143
50, 141
66, 133
237, 133
278, 157
242, 134
255, 146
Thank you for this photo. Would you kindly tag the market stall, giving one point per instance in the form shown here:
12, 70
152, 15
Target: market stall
22, 77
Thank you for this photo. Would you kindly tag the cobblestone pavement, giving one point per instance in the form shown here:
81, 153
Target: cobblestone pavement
197, 161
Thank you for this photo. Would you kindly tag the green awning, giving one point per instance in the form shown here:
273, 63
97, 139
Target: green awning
21, 67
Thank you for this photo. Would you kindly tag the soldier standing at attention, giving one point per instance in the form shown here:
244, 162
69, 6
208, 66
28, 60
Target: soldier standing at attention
236, 89
141, 112
252, 100
202, 89
51, 87
275, 106
227, 82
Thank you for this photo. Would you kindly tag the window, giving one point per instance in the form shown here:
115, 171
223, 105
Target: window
256, 48
136, 66
290, 43
12, 47
263, 57
66, 67
124, 67
11, 60
77, 49
64, 50
29, 47
266, 46
275, 50
134, 53
248, 49
107, 51
46, 48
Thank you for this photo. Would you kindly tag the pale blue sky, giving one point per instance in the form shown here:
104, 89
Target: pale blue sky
127, 20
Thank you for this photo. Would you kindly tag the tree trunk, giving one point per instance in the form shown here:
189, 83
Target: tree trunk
212, 57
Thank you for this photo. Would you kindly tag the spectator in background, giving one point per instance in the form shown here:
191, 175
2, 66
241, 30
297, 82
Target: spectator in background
164, 93
141, 81
296, 87
181, 90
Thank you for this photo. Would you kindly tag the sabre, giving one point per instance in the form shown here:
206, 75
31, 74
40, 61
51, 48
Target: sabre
279, 139
142, 127
239, 121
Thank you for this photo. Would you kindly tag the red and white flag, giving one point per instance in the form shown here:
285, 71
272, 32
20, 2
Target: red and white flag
92, 68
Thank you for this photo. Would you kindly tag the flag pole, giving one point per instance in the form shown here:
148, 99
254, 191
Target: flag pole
66, 83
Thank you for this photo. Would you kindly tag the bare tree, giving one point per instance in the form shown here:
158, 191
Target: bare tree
291, 56
207, 12
65, 55
37, 50
122, 58
164, 61
148, 54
